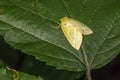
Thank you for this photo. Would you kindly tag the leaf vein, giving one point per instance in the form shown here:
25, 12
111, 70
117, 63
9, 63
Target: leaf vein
104, 40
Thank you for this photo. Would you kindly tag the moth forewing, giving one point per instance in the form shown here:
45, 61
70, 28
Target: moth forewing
73, 35
84, 29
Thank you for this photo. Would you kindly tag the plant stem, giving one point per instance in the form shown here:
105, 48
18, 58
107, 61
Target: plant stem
88, 73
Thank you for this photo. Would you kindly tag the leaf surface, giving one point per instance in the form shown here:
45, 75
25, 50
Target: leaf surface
29, 25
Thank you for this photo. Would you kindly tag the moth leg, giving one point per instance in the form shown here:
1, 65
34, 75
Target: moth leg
54, 26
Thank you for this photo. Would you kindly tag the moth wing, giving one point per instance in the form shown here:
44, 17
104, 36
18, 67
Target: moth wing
73, 35
84, 29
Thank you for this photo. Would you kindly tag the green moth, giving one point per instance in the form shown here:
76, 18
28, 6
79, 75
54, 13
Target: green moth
73, 31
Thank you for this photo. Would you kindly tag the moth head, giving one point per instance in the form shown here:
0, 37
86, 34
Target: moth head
64, 21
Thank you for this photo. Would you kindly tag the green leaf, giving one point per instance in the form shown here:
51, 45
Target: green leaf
28, 25
8, 75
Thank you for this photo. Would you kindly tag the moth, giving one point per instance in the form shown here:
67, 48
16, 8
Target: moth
74, 31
